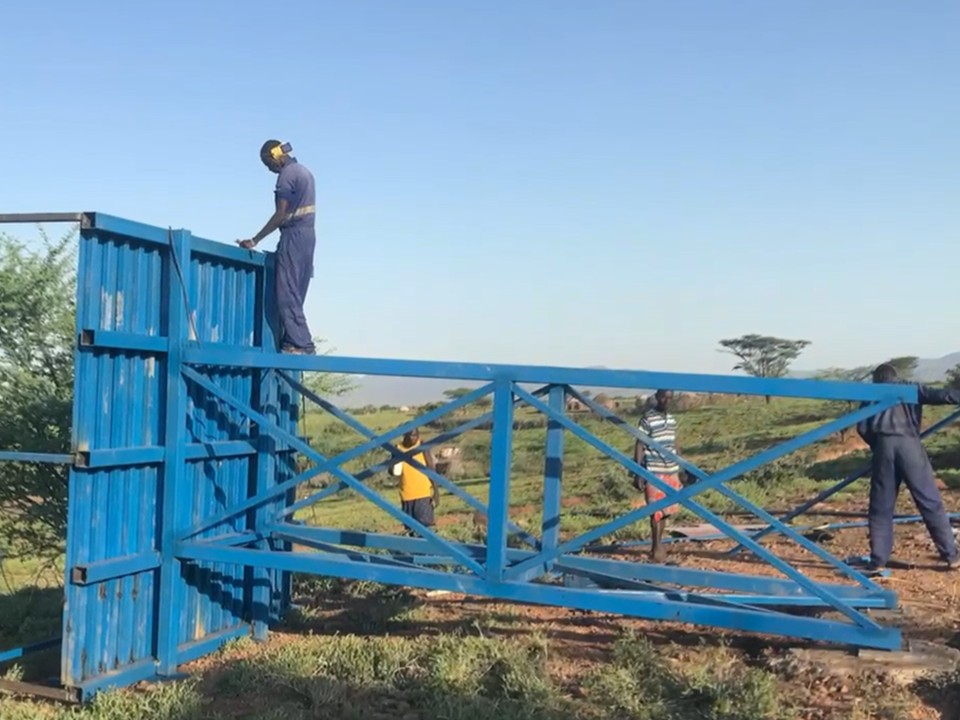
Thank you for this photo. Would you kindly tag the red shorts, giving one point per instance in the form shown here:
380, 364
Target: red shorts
654, 493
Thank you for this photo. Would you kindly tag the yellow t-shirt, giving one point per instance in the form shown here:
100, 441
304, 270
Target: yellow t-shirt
414, 484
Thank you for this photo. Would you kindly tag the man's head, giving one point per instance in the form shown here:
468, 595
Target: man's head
411, 438
662, 400
885, 373
274, 155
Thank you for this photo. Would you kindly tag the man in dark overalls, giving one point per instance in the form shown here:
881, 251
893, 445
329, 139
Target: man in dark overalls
294, 215
899, 457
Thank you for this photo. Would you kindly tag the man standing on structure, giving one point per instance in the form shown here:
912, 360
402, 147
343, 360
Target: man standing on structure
660, 425
899, 457
418, 495
294, 215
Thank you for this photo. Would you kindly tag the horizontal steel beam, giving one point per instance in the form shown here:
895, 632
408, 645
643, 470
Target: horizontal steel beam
197, 649
154, 454
19, 652
34, 218
112, 340
624, 379
47, 692
29, 457
644, 572
613, 601
103, 570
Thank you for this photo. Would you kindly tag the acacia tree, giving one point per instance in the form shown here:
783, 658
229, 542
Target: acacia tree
856, 374
905, 366
327, 384
763, 356
37, 299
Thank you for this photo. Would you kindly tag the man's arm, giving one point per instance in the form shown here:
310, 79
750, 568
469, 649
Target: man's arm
938, 396
272, 224
432, 465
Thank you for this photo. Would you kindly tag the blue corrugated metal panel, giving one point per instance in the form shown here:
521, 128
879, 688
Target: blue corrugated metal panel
112, 512
126, 275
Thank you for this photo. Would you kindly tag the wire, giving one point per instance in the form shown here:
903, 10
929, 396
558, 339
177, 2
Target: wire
183, 287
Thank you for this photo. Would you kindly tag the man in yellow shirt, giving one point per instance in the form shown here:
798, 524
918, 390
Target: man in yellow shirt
418, 495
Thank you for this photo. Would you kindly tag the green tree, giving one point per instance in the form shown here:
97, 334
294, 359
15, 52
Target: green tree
856, 374
327, 384
37, 325
763, 356
953, 377
456, 393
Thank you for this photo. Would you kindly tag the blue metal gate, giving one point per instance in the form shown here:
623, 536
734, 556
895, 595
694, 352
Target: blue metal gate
184, 478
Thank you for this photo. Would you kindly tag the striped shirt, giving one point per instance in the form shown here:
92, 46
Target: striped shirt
662, 428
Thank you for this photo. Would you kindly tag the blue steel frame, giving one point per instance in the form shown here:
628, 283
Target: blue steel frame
183, 487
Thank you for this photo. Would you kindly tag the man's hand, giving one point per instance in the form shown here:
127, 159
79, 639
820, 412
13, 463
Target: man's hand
247, 244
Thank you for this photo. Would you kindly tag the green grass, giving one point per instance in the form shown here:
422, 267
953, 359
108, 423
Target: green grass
596, 488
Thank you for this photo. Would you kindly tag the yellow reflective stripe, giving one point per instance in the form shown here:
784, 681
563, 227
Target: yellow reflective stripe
305, 210
300, 212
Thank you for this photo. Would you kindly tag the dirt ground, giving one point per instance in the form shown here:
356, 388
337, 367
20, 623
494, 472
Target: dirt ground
929, 613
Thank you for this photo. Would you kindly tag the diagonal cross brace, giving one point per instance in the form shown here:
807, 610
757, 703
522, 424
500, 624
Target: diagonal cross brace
265, 425
683, 497
732, 494
324, 466
833, 490
675, 497
398, 456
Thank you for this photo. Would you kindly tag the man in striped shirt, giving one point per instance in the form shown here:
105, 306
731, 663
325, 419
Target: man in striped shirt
658, 424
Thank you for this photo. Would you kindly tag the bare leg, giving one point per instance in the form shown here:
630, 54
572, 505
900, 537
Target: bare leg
657, 552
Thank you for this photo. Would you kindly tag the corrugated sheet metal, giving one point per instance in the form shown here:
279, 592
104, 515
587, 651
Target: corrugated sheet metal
125, 277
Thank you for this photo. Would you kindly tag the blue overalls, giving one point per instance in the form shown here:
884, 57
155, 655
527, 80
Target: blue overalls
900, 458
294, 256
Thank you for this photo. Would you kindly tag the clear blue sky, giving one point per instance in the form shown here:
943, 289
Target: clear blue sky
616, 183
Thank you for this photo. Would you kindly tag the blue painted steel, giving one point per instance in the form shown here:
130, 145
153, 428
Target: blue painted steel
133, 446
331, 466
553, 471
500, 454
647, 572
730, 494
21, 652
683, 497
612, 601
29, 457
523, 374
323, 464
98, 572
397, 455
184, 465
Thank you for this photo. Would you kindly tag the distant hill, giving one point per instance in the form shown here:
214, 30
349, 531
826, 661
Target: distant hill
377, 390
936, 370
380, 390
928, 370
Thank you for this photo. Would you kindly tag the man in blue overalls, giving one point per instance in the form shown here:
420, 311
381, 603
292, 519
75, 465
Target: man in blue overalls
899, 457
294, 215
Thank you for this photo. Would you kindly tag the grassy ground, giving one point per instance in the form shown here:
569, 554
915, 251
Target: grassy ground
360, 650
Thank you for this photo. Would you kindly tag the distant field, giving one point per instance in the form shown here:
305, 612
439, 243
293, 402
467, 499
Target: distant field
361, 650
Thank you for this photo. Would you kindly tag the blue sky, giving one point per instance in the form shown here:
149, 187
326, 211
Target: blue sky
583, 183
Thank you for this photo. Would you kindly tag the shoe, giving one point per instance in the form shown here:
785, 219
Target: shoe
953, 564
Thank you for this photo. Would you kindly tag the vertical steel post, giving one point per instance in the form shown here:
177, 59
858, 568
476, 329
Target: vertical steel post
553, 471
259, 581
174, 460
500, 456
